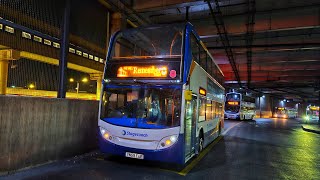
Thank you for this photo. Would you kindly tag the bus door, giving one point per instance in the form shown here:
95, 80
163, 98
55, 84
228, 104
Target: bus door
190, 126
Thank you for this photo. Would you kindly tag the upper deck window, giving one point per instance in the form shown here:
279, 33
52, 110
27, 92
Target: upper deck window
150, 42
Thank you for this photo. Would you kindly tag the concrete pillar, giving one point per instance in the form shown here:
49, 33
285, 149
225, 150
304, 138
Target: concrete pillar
63, 61
3, 76
5, 56
118, 22
98, 78
99, 85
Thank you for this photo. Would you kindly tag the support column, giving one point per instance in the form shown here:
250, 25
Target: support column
64, 51
3, 76
98, 78
5, 56
99, 86
118, 22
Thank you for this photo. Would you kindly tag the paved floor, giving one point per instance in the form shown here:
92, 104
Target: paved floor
260, 149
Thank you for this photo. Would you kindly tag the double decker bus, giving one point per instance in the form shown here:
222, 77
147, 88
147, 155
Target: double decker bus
312, 113
239, 106
162, 96
280, 112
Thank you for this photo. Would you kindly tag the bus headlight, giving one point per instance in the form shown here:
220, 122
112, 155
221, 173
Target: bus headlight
167, 141
105, 134
307, 118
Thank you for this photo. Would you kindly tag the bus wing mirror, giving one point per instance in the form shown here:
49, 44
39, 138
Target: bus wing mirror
188, 95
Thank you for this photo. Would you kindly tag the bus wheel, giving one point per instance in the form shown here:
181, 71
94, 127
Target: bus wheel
200, 143
219, 129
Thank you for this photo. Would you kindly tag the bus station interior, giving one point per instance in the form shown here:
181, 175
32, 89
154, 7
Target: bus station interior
53, 53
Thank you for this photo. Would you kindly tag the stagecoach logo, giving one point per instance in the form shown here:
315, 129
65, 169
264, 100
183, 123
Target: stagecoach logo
128, 133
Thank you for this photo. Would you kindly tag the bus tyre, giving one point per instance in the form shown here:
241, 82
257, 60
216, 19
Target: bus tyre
219, 129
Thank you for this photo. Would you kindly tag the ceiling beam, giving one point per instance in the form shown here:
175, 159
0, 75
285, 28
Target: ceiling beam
291, 45
120, 6
266, 32
145, 6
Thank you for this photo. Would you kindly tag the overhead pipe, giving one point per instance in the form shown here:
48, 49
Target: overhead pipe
218, 20
249, 35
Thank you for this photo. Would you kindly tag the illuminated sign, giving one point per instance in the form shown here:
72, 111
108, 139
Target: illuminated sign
173, 73
314, 108
233, 103
142, 71
280, 108
202, 91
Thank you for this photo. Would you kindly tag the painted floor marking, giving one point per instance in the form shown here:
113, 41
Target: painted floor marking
226, 131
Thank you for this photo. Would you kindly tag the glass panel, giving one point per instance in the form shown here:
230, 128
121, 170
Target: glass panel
203, 58
208, 110
233, 97
220, 109
214, 111
195, 49
232, 108
202, 109
190, 121
209, 66
148, 42
142, 106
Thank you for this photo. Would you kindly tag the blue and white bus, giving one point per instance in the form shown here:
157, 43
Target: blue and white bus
239, 106
162, 97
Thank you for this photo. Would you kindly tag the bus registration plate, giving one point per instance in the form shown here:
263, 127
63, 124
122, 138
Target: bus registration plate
134, 155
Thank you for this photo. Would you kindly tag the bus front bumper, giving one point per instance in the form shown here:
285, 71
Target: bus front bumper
173, 154
232, 116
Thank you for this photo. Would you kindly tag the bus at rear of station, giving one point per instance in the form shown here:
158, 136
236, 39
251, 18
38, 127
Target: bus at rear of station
312, 113
280, 112
162, 96
239, 106
292, 112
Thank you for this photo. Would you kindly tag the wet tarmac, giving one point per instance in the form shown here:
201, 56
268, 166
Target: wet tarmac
258, 149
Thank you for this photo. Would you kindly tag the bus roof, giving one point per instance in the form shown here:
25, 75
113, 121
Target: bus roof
174, 27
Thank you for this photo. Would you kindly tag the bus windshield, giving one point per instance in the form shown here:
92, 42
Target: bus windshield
281, 111
232, 108
314, 112
233, 97
148, 42
142, 106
